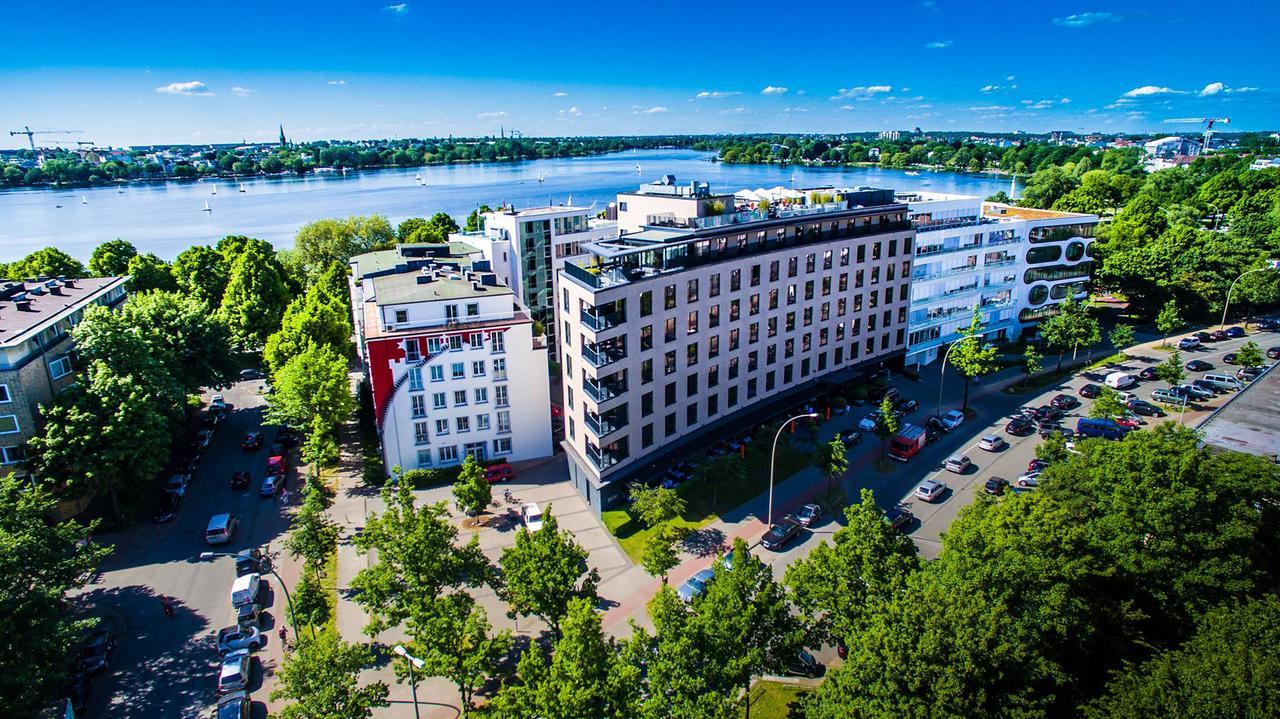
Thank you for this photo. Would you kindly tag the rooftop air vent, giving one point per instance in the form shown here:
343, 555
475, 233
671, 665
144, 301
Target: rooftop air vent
23, 305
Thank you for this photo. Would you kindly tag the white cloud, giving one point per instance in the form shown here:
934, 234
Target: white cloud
939, 44
989, 108
1218, 88
846, 93
714, 94
194, 87
795, 109
1149, 90
848, 107
242, 91
398, 8
1009, 78
573, 111
735, 111
492, 115
653, 110
560, 93
337, 82
1085, 19
774, 90
1065, 101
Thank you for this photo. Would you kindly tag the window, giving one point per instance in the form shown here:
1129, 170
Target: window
13, 455
473, 309
693, 322
500, 369
500, 396
669, 297
691, 415
502, 445
646, 337
60, 367
771, 326
464, 424
496, 344
417, 404
773, 271
733, 397
669, 330
713, 346
713, 316
735, 280
411, 350
459, 370
733, 368
402, 316
437, 373
844, 256
646, 304
476, 340
451, 313
735, 310
669, 394
449, 454
646, 435
504, 422
691, 385
773, 299
455, 343
713, 405
482, 395
421, 433
438, 401
482, 422
646, 371
691, 354
669, 362
755, 275
692, 294
415, 379
435, 345
669, 423
826, 260
713, 286
477, 368
809, 262
646, 404
793, 266
459, 397
442, 426
424, 458
733, 340
713, 377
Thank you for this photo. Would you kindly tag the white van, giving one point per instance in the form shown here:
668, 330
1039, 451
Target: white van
1223, 381
1120, 380
245, 590
220, 529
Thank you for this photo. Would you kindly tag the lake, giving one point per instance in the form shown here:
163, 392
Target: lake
167, 218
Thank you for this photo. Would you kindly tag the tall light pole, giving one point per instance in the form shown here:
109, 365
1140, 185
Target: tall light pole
942, 374
412, 661
207, 556
1271, 265
773, 457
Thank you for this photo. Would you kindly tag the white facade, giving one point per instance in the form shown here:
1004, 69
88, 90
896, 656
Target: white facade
1171, 146
1265, 163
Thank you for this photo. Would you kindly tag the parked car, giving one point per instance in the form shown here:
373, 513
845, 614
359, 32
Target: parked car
1167, 396
951, 419
930, 490
221, 528
234, 705
899, 518
218, 404
234, 674
1064, 402
277, 465
1147, 373
248, 561
808, 514
1197, 393
1030, 479
995, 485
957, 463
96, 649
288, 438
251, 374
1230, 358
240, 480
1249, 373
1273, 353
1196, 365
850, 437
906, 406
779, 535
1144, 408
1219, 335
1090, 391
1235, 331
1036, 465
252, 441
1206, 386
1019, 426
804, 665
249, 614
931, 433
870, 422
271, 485
1047, 412
1204, 336
500, 472
167, 509
696, 585
531, 515
176, 484
1188, 343
233, 639
992, 442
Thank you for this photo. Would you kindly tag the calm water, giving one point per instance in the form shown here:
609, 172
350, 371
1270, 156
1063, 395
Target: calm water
166, 219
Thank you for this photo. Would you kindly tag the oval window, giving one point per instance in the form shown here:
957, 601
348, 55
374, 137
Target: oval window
1075, 251
1038, 294
1048, 253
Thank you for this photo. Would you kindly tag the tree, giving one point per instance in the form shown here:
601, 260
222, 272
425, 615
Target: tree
47, 262
1169, 320
406, 228
310, 601
255, 298
887, 427
313, 319
454, 641
314, 535
544, 571
312, 391
475, 221
833, 461
655, 505
471, 490
322, 679
660, 553
111, 258
1044, 187
435, 231
1107, 405
188, 340
42, 562
970, 356
1031, 359
1071, 328
1249, 355
1121, 337
201, 273
322, 242
148, 272
1171, 370
418, 559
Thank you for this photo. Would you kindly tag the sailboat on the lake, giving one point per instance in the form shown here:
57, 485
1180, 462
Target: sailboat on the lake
206, 206
242, 187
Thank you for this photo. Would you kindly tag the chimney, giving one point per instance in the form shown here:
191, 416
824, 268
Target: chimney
70, 283
23, 305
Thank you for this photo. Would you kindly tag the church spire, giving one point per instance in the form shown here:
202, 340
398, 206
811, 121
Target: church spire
283, 141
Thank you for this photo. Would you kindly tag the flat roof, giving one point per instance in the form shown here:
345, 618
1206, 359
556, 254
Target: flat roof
1249, 421
384, 260
46, 308
410, 287
543, 210
999, 209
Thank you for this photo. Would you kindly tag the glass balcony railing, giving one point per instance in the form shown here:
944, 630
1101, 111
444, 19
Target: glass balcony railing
932, 250
603, 459
600, 356
603, 321
603, 391
606, 424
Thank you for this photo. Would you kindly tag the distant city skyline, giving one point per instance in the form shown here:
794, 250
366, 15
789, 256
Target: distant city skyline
151, 73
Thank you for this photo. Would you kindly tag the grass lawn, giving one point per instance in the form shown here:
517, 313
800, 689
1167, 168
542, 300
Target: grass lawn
773, 700
706, 498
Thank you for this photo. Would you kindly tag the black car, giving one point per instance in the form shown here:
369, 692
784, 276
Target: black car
1147, 373
931, 434
899, 518
240, 480
1196, 365
1090, 391
995, 485
1065, 402
906, 406
249, 615
1144, 408
1235, 331
1202, 384
96, 650
1019, 426
804, 665
1047, 412
252, 441
168, 508
936, 424
1273, 353
1205, 337
288, 438
1230, 358
850, 437
1249, 373
1219, 335
780, 534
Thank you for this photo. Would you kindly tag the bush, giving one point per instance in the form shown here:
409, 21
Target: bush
839, 403
859, 392
423, 478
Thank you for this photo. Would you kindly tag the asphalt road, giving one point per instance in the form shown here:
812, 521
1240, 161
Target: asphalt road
167, 667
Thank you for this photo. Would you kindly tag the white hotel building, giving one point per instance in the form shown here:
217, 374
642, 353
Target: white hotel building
451, 358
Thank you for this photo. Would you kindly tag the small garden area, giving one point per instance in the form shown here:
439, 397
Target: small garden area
776, 700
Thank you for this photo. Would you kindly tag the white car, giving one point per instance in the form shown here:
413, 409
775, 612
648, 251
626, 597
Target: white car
1126, 397
233, 639
930, 489
952, 419
992, 442
957, 463
177, 484
1030, 479
234, 674
870, 422
532, 516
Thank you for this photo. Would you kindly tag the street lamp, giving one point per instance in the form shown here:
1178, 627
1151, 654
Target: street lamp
1271, 265
773, 456
412, 661
942, 373
209, 556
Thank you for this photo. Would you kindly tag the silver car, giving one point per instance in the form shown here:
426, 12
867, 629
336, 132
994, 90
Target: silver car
992, 443
234, 674
233, 639
695, 585
930, 489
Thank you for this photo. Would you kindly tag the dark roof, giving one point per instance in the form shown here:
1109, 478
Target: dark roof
1250, 420
34, 305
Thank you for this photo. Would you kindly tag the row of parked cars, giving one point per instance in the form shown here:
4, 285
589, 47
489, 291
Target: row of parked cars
238, 642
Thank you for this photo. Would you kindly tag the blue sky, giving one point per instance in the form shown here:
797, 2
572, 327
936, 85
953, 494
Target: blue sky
155, 72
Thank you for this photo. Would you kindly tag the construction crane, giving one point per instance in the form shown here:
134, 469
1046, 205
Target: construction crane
32, 133
1208, 123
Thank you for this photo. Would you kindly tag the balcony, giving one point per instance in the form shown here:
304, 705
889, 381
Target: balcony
605, 458
1006, 241
606, 424
926, 276
955, 313
602, 356
602, 321
931, 251
603, 391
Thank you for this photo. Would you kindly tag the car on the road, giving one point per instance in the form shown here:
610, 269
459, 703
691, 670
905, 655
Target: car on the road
1197, 393
1047, 412
1203, 336
218, 404
1019, 426
1029, 479
957, 463
251, 442
176, 484
1090, 391
1147, 373
995, 485
531, 515
899, 518
96, 649
804, 665
277, 464
1144, 408
1064, 402
1167, 396
1188, 343
992, 442
930, 489
240, 480
500, 472
1273, 353
951, 419
906, 406
780, 534
234, 674
167, 509
271, 485
1264, 323
870, 422
1196, 365
1230, 358
203, 438
233, 639
1235, 331
249, 615
808, 514
1219, 335
696, 585
850, 437
221, 528
287, 438
1249, 373
250, 374
1036, 465
234, 705
248, 561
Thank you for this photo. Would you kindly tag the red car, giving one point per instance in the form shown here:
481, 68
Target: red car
276, 465
501, 472
1129, 422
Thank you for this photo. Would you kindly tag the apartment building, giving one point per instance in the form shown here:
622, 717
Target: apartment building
677, 333
527, 248
454, 366
971, 253
37, 353
666, 203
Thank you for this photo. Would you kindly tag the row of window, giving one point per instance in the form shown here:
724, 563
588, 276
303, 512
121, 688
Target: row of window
439, 400
450, 455
457, 370
451, 313
422, 431
438, 345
